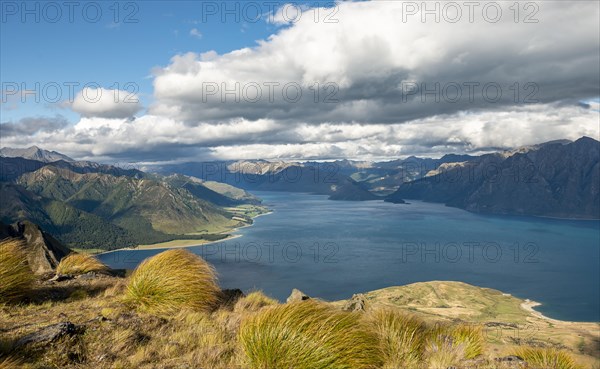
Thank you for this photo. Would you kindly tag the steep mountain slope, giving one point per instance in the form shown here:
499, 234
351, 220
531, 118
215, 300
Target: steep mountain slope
554, 179
128, 202
74, 227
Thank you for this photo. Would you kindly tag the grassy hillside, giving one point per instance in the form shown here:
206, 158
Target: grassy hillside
108, 332
508, 321
104, 211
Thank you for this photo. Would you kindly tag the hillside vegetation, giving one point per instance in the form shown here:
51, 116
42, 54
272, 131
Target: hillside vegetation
92, 206
103, 321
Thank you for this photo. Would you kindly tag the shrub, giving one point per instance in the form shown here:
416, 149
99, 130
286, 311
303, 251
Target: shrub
16, 277
448, 344
306, 335
546, 358
401, 337
75, 264
172, 280
253, 302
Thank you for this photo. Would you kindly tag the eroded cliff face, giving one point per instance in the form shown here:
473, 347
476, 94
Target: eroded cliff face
43, 251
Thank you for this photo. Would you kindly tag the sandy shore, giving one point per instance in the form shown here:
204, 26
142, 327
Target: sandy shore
528, 305
176, 244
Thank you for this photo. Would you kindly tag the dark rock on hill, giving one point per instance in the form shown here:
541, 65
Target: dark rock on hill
555, 179
43, 251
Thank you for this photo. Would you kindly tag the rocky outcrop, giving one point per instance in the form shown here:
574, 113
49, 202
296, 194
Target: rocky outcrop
43, 251
297, 295
358, 302
50, 333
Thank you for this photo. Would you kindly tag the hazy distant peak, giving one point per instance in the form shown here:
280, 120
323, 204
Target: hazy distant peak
34, 153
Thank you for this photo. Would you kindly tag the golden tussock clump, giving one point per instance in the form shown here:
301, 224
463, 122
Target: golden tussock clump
75, 264
16, 277
253, 302
306, 335
402, 337
546, 358
448, 344
172, 280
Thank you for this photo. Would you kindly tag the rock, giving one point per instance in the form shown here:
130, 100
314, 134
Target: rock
512, 362
297, 295
43, 251
87, 276
230, 296
509, 358
358, 302
50, 333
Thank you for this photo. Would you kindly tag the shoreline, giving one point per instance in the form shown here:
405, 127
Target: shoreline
185, 243
529, 305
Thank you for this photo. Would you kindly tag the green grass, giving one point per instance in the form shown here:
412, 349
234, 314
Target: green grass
16, 278
308, 335
546, 358
173, 280
76, 264
401, 336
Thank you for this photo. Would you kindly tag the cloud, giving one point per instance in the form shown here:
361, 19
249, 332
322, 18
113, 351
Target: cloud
27, 127
369, 86
195, 33
154, 138
103, 103
371, 67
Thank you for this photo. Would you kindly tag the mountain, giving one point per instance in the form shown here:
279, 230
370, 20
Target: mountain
90, 205
43, 251
34, 153
220, 194
261, 175
556, 179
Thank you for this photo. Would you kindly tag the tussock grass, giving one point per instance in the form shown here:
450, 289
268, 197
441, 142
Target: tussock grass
16, 277
401, 336
449, 344
10, 363
253, 302
307, 335
75, 264
172, 280
546, 358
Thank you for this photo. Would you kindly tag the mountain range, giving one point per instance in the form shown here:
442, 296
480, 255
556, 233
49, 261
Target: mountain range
555, 179
90, 205
102, 206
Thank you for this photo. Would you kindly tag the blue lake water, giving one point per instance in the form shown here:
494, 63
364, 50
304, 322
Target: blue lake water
333, 249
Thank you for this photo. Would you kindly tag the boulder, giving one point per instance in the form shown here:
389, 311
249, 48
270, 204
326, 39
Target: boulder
358, 302
297, 295
50, 333
230, 296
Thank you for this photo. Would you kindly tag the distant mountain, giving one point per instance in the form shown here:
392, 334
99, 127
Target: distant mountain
261, 175
220, 194
91, 205
556, 179
34, 153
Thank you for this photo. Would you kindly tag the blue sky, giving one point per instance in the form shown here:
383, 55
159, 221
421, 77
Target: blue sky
367, 53
147, 34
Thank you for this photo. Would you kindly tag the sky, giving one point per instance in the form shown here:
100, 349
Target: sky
159, 82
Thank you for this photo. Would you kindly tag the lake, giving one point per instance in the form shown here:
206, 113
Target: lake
333, 249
